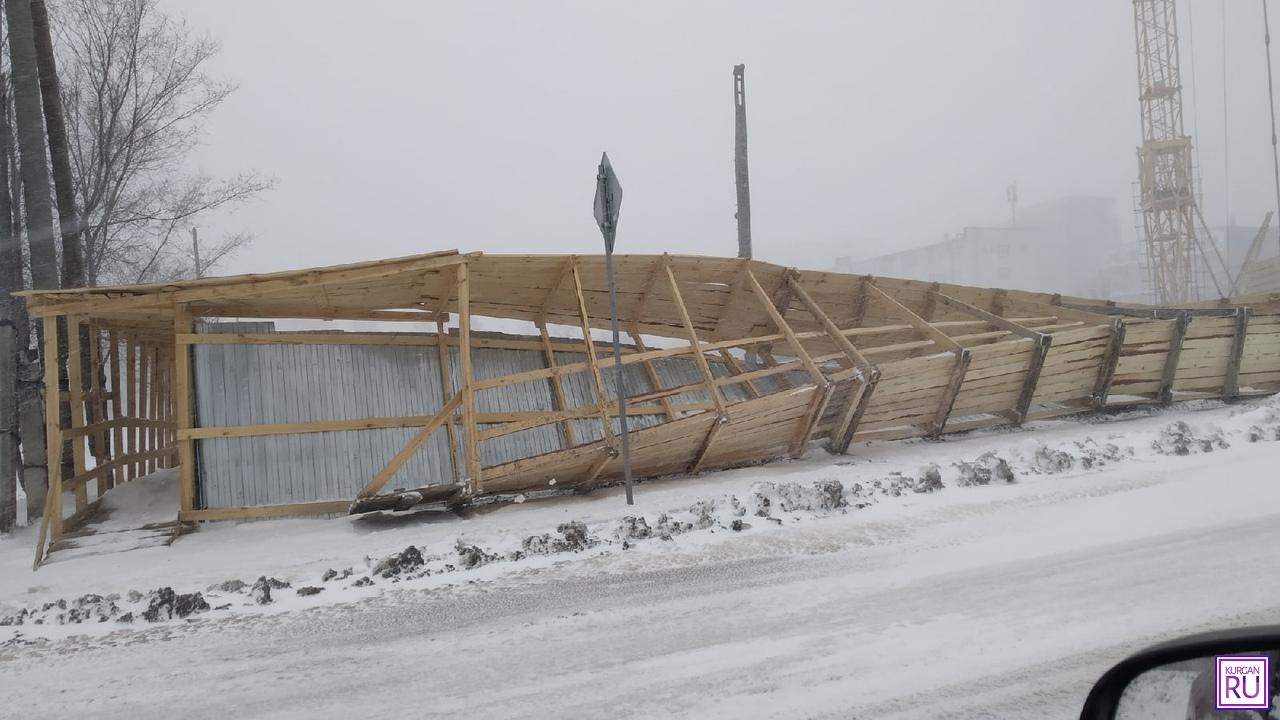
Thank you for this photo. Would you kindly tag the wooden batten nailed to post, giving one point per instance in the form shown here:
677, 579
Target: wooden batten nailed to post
475, 483
185, 419
1180, 324
1231, 384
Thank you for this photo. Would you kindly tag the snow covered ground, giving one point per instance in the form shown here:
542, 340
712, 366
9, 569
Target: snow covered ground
924, 584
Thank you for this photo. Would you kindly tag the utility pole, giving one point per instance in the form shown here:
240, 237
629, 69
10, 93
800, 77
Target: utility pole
740, 161
195, 250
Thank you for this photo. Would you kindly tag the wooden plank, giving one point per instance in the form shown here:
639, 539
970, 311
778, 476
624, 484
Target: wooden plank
943, 340
588, 481
131, 403
949, 395
557, 388
52, 426
699, 358
814, 373
306, 312
400, 458
446, 394
990, 318
590, 348
1231, 385
1028, 390
735, 368
833, 331
117, 399
97, 403
185, 417
75, 388
655, 381
308, 338
1165, 394
708, 441
324, 507
809, 421
471, 439
859, 398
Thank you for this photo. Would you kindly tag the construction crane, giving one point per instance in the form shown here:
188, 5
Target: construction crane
1167, 198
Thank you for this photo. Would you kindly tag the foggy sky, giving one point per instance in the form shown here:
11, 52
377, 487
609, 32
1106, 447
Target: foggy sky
406, 127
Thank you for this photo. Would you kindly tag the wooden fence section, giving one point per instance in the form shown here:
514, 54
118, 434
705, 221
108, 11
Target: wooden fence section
782, 358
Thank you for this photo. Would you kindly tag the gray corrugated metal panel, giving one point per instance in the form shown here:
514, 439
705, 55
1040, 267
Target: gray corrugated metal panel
235, 327
519, 397
251, 384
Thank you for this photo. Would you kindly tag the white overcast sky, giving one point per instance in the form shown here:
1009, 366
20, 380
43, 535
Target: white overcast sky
401, 127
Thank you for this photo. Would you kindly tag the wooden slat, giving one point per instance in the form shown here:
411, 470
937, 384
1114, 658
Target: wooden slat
557, 387
1165, 394
471, 439
781, 324
1032, 379
52, 427
75, 387
949, 395
943, 340
1231, 384
990, 318
589, 346
265, 511
400, 458
117, 399
184, 417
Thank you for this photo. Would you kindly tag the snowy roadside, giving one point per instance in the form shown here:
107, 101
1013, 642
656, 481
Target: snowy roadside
230, 570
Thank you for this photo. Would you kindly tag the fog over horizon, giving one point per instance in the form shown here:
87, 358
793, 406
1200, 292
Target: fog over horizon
399, 128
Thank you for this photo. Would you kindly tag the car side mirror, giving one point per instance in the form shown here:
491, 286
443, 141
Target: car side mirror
1230, 675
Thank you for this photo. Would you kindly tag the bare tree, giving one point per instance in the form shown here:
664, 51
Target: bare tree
10, 307
136, 97
36, 198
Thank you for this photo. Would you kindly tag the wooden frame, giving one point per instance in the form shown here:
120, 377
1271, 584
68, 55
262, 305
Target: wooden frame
856, 340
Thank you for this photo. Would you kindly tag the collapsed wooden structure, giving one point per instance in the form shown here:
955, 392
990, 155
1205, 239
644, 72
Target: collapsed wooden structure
811, 355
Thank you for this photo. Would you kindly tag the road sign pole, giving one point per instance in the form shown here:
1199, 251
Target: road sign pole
607, 203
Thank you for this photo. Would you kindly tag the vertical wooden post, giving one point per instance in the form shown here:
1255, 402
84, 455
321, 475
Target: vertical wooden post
75, 399
117, 414
1165, 394
1107, 370
130, 408
144, 410
97, 408
52, 426
446, 394
602, 399
185, 419
472, 448
1231, 383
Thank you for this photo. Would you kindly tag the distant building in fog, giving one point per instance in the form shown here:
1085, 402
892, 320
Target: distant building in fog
1057, 246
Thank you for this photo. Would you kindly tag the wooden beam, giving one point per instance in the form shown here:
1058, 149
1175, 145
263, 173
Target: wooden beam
558, 400
650, 282
699, 357
833, 331
446, 394
97, 403
949, 394
990, 318
588, 481
185, 417
1231, 383
859, 398
735, 369
117, 398
601, 398
1165, 394
303, 312
739, 279
475, 481
323, 507
217, 290
555, 287
655, 381
400, 458
809, 422
1038, 354
704, 450
930, 301
941, 339
860, 302
998, 299
130, 404
1107, 370
308, 338
75, 386
816, 374
52, 426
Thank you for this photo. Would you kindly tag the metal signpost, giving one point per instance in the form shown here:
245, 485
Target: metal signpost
608, 201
